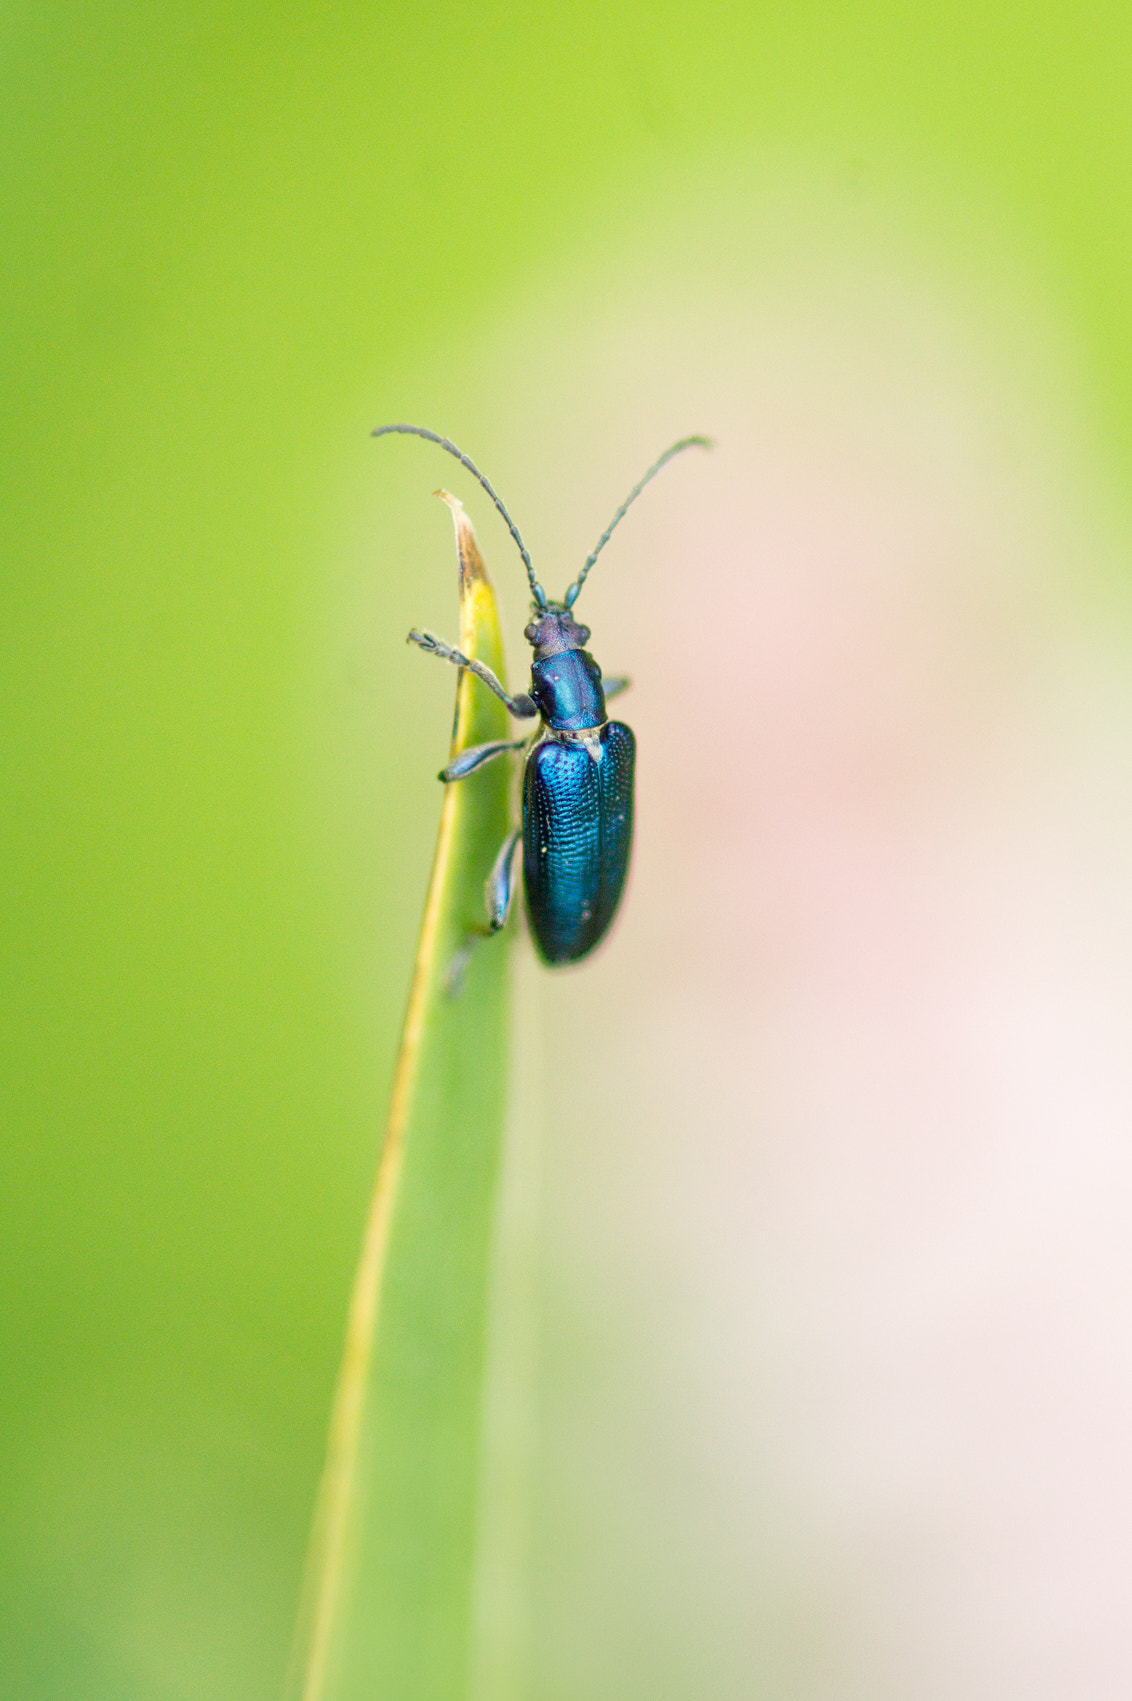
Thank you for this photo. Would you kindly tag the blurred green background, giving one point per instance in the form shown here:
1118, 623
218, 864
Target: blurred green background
234, 238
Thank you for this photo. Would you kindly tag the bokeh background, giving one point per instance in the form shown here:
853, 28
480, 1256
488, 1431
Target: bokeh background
827, 1180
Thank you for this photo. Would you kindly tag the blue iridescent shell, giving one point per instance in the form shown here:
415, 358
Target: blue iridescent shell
577, 836
567, 689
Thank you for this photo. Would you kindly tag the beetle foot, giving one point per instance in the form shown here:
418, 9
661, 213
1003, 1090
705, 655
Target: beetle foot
457, 971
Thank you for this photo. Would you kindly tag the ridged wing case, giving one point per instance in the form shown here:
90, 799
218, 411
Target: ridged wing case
577, 836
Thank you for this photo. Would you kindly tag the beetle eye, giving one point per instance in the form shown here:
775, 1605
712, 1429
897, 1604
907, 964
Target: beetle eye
530, 633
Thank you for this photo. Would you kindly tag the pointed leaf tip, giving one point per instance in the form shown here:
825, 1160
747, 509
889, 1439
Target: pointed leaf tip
472, 569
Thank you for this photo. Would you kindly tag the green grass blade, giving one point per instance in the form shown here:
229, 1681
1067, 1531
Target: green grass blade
388, 1598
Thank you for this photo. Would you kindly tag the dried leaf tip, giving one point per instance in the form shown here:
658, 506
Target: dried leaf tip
472, 569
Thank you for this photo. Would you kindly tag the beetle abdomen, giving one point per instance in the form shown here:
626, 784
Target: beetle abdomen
577, 834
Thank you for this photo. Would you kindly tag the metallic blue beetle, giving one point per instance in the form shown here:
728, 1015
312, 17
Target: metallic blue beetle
577, 827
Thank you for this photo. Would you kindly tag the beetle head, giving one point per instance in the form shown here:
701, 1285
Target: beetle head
555, 630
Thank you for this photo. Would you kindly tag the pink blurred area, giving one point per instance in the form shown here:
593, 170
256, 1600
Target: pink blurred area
836, 1386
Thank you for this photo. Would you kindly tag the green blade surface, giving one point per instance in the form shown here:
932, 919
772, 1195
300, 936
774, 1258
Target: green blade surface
388, 1597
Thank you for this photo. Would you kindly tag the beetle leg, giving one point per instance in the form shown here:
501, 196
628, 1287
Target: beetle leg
475, 756
522, 707
497, 891
499, 884
457, 969
613, 687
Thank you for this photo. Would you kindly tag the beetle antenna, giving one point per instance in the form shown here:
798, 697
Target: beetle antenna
571, 596
419, 431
